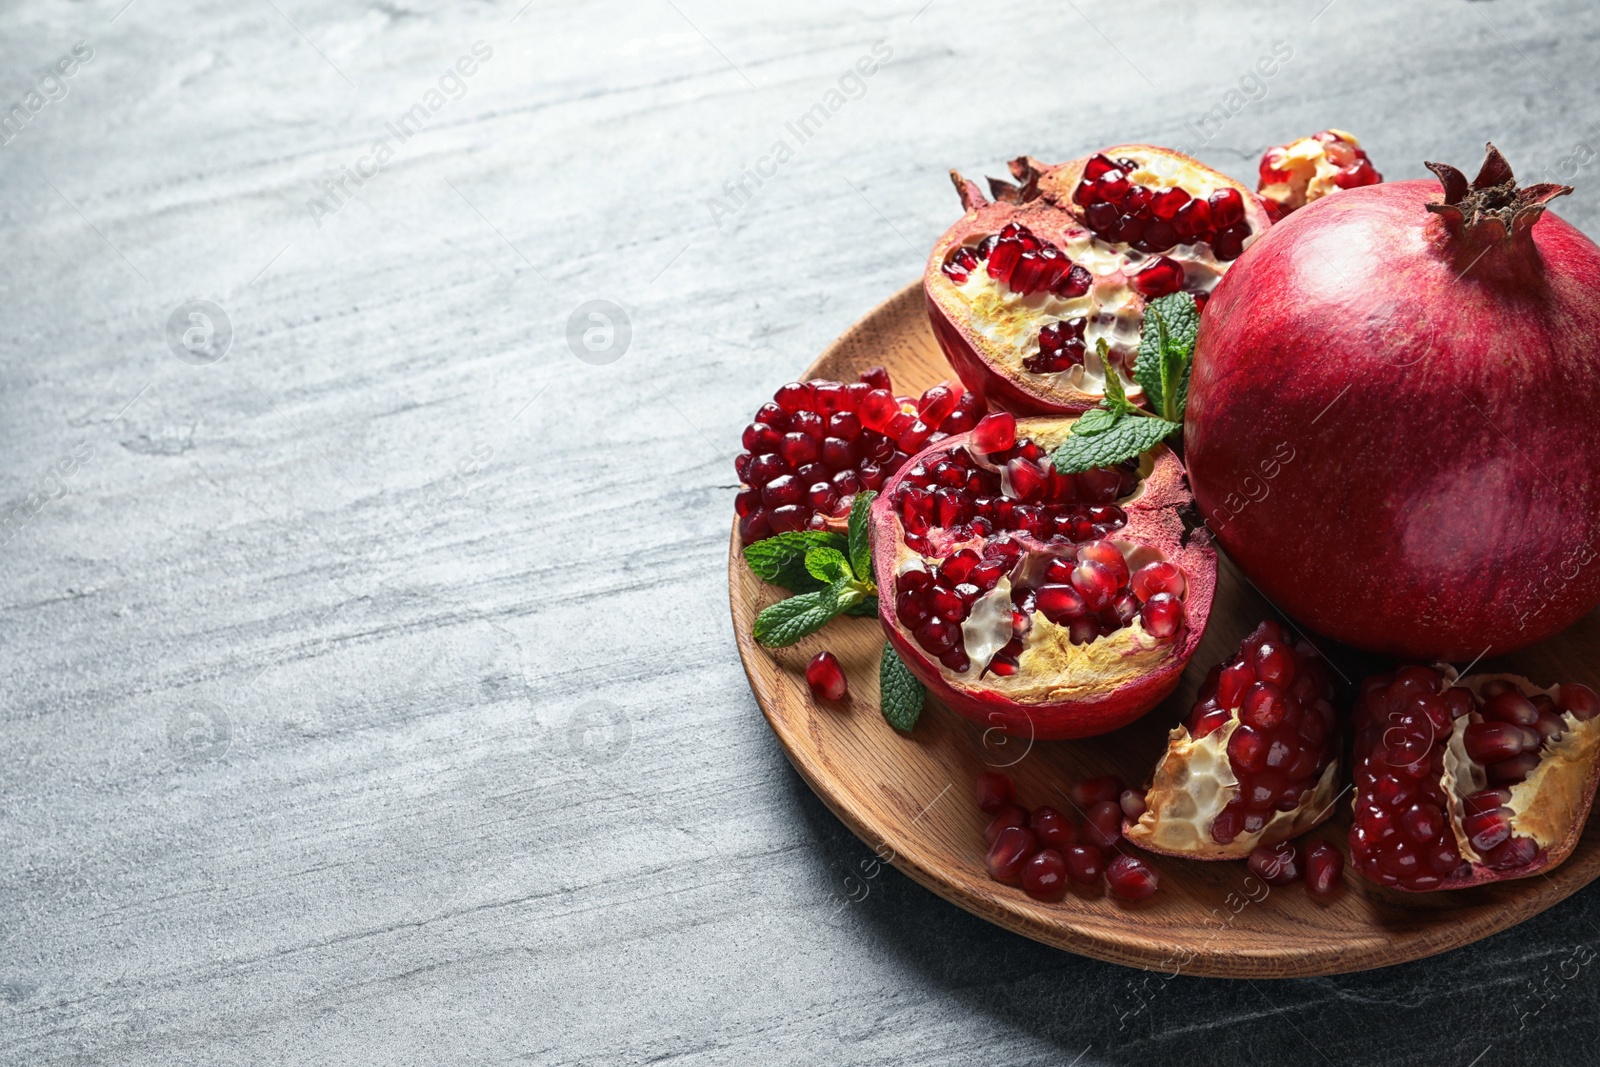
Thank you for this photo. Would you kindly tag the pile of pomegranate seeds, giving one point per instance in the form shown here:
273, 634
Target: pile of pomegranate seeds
1320, 865
826, 677
1402, 834
1282, 696
1153, 220
1043, 850
818, 443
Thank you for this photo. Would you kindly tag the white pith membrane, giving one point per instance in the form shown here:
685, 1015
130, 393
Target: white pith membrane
1311, 172
1010, 322
1192, 785
1551, 800
1051, 668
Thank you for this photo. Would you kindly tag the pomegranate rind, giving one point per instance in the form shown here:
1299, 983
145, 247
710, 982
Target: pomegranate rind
991, 367
1550, 806
1194, 782
1080, 690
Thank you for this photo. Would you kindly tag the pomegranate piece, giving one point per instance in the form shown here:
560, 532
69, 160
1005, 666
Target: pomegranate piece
1324, 867
1130, 878
817, 444
826, 677
1294, 174
1436, 809
1255, 764
1410, 568
1003, 582
1020, 291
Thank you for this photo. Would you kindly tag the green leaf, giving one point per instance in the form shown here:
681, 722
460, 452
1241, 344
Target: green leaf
780, 559
867, 608
1093, 421
1116, 397
827, 565
1166, 351
1128, 436
861, 535
847, 592
789, 620
899, 692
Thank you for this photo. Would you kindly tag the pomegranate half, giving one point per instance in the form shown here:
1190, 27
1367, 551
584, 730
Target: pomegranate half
1021, 290
1042, 604
1472, 780
1394, 417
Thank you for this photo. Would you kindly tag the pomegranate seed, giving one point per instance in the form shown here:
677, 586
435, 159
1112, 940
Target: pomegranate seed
1130, 878
1060, 603
1476, 803
1009, 852
1008, 816
876, 409
1511, 706
1324, 866
1228, 244
1084, 863
1103, 825
788, 518
1264, 706
1098, 165
1091, 791
995, 790
1158, 577
1277, 865
1490, 742
1513, 770
1096, 582
754, 527
826, 677
1053, 829
1487, 829
876, 378
1162, 276
1044, 876
1517, 852
1580, 700
1132, 803
1227, 207
995, 433
1162, 616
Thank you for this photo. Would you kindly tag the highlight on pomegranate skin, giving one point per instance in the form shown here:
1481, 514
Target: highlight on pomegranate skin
1293, 175
816, 444
1022, 289
1464, 781
1044, 604
1257, 761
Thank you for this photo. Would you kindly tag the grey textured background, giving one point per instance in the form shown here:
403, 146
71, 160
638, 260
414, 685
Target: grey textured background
370, 695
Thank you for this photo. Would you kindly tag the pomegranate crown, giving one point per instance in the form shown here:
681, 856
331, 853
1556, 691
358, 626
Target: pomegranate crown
1492, 207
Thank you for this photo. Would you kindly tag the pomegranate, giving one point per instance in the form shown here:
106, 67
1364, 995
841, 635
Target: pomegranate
1021, 290
816, 444
1372, 429
1464, 781
1294, 174
1043, 604
1257, 762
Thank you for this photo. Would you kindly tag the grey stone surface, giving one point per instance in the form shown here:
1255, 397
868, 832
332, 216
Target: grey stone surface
369, 691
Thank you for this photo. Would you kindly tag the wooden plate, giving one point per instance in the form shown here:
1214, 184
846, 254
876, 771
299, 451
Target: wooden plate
910, 797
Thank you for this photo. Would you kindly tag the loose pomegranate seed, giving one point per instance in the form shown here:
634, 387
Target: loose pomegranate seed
1130, 878
826, 677
1084, 863
1044, 876
1007, 816
1103, 825
1053, 829
995, 790
996, 432
1132, 803
1277, 865
1087, 793
1324, 865
1009, 851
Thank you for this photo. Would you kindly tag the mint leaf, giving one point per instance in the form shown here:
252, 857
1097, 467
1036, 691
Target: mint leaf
789, 620
1128, 436
827, 564
1093, 421
867, 608
899, 692
1116, 397
861, 535
1166, 351
780, 559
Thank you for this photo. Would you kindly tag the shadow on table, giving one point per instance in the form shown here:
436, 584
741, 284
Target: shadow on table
1528, 995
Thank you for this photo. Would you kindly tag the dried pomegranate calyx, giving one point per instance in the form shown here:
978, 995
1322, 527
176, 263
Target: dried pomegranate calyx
1492, 207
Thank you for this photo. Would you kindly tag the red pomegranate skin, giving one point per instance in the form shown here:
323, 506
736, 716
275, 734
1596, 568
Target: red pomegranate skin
1395, 430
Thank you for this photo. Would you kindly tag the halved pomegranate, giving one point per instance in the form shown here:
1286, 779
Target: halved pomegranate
1021, 290
816, 444
1294, 174
1043, 604
1256, 764
1472, 780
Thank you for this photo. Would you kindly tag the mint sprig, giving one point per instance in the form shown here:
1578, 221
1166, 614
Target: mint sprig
1118, 429
828, 581
781, 559
899, 691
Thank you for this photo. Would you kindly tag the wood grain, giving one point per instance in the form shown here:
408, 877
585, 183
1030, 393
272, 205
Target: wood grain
909, 797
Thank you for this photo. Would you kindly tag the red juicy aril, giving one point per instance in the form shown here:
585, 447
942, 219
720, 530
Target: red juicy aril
1257, 762
816, 444
1046, 605
1294, 174
1394, 419
1021, 290
1459, 782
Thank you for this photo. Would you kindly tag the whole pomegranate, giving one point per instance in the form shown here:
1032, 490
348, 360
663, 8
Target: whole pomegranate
1394, 418
1020, 291
1042, 604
